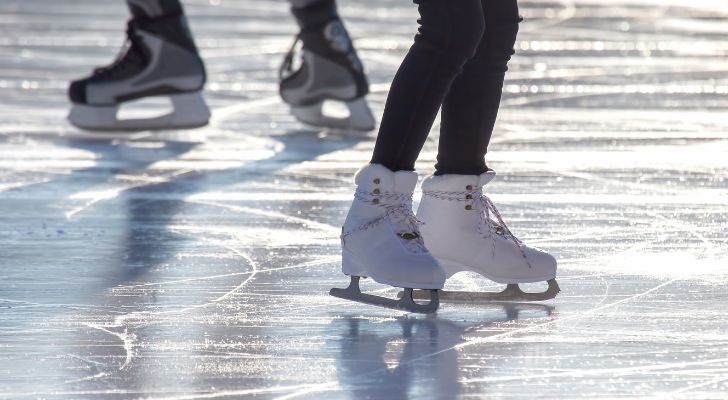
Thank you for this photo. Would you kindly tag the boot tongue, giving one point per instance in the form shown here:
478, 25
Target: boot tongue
376, 176
132, 54
486, 177
405, 182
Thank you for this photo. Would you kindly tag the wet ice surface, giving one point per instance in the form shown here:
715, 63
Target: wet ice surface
195, 264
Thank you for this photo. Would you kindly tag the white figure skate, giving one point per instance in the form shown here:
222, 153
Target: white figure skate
465, 232
380, 239
330, 73
159, 59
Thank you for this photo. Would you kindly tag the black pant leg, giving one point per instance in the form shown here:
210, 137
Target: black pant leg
470, 108
449, 33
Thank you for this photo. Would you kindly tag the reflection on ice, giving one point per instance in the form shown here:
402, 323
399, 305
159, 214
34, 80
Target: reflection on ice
409, 357
196, 264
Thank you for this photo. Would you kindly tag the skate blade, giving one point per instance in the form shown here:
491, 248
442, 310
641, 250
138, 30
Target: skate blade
511, 293
189, 111
404, 303
357, 118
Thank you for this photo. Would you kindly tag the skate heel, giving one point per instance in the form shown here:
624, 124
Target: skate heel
190, 110
451, 267
360, 115
350, 264
93, 117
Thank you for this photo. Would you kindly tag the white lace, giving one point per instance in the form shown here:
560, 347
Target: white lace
487, 209
398, 213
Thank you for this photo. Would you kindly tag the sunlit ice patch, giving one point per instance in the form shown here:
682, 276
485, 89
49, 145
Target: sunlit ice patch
666, 264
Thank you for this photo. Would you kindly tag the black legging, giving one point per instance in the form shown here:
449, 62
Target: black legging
458, 61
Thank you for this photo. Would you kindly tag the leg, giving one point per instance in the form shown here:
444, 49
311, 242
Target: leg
470, 108
463, 229
141, 9
381, 238
157, 31
448, 36
330, 70
299, 4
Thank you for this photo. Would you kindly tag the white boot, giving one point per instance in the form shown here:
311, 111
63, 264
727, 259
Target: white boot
465, 232
380, 238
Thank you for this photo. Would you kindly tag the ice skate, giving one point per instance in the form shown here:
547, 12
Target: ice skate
158, 59
328, 87
381, 240
465, 232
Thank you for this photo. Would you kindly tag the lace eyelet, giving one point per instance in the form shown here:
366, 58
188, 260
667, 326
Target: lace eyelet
375, 201
408, 235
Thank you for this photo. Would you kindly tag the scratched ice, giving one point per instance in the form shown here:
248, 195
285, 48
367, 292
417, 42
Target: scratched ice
195, 264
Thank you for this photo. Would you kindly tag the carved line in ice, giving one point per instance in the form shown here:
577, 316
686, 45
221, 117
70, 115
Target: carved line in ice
489, 339
717, 380
254, 271
613, 372
119, 321
146, 393
112, 193
329, 229
88, 378
321, 261
28, 304
126, 339
223, 113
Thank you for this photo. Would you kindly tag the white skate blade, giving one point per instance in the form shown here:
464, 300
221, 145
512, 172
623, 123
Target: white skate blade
512, 292
189, 111
357, 115
406, 302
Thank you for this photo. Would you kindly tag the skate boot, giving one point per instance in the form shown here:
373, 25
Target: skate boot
465, 232
381, 240
158, 59
330, 73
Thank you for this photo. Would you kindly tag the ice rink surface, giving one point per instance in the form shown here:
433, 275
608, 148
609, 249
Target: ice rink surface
196, 264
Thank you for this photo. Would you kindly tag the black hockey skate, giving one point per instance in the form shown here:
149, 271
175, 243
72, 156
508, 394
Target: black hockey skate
329, 73
158, 59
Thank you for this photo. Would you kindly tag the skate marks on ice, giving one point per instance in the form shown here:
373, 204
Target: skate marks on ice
150, 205
160, 266
613, 139
406, 357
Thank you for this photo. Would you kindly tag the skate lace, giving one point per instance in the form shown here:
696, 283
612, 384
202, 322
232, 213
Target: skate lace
491, 221
286, 68
400, 213
497, 226
122, 60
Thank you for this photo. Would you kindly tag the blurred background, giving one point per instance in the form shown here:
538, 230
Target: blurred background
196, 263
